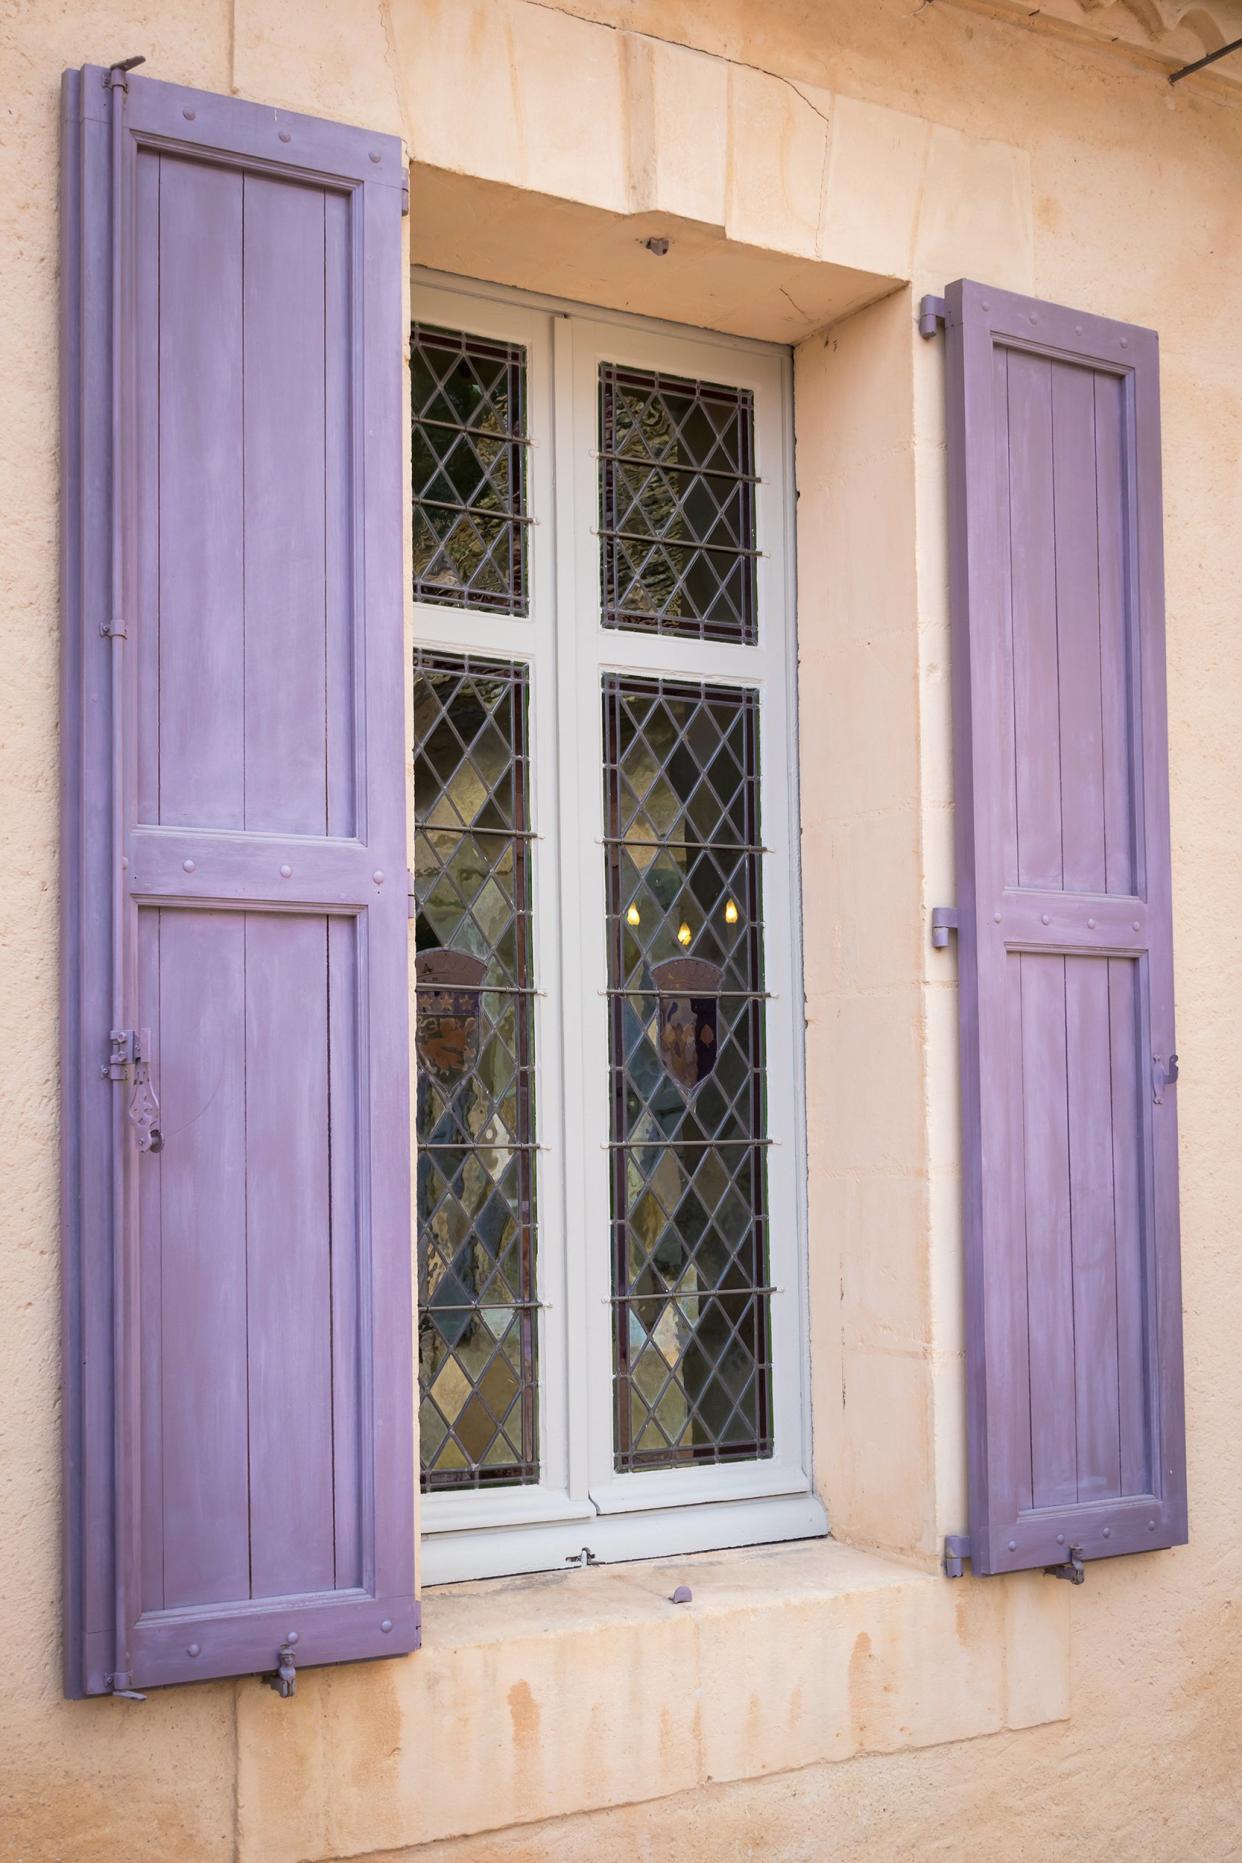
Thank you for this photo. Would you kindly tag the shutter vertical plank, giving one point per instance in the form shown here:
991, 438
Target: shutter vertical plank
288, 1256
1049, 1251
151, 1198
1116, 681
202, 1462
1078, 628
239, 1422
1089, 1103
198, 494
345, 1371
1128, 1095
338, 442
1033, 608
283, 460
1074, 1378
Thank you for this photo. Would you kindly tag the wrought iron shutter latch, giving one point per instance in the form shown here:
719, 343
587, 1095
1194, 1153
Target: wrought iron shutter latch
129, 1062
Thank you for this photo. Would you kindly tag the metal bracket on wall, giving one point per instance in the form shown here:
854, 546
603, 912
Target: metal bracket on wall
956, 1550
1163, 1074
1073, 1569
944, 920
931, 314
285, 1678
117, 76
1222, 51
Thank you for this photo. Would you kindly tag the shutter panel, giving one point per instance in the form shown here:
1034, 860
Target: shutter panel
1074, 1358
239, 1375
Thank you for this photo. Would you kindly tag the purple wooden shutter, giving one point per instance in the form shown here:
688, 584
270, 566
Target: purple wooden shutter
239, 1377
1074, 1358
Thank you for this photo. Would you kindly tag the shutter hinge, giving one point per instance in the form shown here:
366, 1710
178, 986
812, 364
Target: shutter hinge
956, 1549
129, 1062
944, 920
405, 193
284, 1679
114, 629
410, 898
1073, 1569
1163, 1074
116, 77
931, 314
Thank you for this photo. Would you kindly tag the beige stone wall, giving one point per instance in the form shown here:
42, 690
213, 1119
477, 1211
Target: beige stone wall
818, 166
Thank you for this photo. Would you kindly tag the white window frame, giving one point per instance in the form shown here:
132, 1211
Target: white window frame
581, 1505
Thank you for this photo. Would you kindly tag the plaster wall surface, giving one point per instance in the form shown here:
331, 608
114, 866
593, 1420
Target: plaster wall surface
820, 165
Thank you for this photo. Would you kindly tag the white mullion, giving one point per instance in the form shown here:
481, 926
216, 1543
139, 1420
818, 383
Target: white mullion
548, 1087
591, 906
578, 754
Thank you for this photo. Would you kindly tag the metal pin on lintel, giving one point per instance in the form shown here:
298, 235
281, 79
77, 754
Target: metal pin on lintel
931, 314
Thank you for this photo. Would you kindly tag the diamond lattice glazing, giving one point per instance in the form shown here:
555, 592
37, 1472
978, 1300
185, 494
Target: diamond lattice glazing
468, 463
478, 1335
677, 505
691, 1351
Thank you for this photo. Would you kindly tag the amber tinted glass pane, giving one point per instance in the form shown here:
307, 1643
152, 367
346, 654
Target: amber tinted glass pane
690, 1295
469, 471
677, 505
475, 1075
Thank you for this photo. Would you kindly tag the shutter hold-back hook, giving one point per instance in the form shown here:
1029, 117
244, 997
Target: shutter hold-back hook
285, 1678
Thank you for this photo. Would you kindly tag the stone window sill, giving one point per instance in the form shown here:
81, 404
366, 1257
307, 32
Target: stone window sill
540, 1696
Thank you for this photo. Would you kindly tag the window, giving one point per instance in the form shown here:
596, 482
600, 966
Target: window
610, 1159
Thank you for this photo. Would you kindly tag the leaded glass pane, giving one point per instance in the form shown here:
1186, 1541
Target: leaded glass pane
677, 505
685, 939
478, 1336
468, 399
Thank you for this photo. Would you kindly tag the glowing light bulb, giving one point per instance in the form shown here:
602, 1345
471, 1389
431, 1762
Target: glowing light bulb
684, 934
633, 916
730, 912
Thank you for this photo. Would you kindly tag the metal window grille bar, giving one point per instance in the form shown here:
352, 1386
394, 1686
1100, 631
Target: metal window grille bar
690, 847
472, 1145
486, 989
488, 512
430, 1306
680, 1144
673, 1295
721, 996
423, 825
677, 543
646, 463
505, 437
